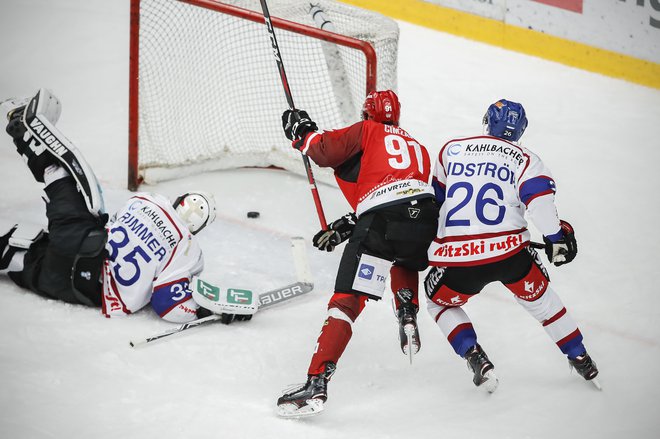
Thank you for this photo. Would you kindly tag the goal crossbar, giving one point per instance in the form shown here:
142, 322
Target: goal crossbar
134, 177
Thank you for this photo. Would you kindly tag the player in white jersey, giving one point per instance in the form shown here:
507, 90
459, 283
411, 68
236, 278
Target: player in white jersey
146, 254
153, 254
485, 185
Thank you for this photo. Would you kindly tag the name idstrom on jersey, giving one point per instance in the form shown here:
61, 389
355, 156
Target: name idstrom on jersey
485, 185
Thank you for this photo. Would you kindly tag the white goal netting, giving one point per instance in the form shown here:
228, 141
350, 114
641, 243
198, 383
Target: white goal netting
210, 95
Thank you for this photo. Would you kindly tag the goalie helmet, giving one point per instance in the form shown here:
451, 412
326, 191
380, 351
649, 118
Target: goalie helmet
196, 209
383, 107
506, 120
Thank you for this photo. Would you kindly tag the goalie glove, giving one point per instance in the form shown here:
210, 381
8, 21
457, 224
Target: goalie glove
338, 232
561, 248
232, 304
297, 124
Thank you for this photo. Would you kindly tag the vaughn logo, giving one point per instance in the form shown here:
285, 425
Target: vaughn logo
44, 135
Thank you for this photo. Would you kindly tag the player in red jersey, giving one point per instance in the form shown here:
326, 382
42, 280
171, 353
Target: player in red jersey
384, 174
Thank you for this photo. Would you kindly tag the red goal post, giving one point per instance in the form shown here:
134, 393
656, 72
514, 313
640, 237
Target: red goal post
201, 78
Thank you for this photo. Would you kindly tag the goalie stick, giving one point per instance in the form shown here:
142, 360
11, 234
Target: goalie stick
289, 99
265, 300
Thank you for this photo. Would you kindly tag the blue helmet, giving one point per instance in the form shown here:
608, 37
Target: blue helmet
506, 120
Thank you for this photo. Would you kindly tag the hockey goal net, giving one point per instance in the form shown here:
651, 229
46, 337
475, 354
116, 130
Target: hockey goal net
205, 92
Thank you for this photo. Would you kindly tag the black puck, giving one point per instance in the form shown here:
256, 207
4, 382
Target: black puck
253, 214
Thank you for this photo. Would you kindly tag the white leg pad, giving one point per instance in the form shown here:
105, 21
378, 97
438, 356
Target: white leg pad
25, 235
41, 128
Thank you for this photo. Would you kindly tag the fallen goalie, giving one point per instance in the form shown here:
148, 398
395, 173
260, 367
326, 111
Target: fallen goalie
146, 254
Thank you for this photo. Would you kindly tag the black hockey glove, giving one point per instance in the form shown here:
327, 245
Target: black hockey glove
338, 232
297, 124
564, 250
228, 318
203, 312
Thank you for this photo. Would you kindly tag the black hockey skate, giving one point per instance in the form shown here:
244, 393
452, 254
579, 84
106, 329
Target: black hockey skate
407, 316
37, 158
586, 367
308, 399
13, 107
483, 369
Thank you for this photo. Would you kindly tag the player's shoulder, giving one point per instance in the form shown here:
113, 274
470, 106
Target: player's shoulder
152, 198
456, 143
154, 202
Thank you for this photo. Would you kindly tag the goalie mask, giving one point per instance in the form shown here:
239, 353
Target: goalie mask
383, 107
506, 120
196, 209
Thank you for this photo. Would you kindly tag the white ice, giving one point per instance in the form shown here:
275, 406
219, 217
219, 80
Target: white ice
66, 372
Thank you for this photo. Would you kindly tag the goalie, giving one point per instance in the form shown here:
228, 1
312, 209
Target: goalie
147, 254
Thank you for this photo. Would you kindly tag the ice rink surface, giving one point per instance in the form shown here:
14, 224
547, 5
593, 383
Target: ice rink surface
67, 372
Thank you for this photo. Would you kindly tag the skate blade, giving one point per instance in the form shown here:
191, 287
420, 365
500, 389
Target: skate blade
312, 407
409, 330
596, 383
490, 382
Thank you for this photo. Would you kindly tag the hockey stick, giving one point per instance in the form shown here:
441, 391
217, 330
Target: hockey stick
289, 99
538, 245
265, 300
178, 329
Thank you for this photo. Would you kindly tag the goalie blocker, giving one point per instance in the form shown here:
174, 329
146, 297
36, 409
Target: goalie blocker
243, 302
225, 304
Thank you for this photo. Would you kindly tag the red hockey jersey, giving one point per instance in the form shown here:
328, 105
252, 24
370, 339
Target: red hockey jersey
375, 164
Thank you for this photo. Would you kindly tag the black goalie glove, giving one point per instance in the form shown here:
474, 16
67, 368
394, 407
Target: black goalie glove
564, 250
297, 124
338, 232
224, 317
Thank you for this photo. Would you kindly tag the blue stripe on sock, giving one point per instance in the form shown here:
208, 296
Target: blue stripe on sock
463, 341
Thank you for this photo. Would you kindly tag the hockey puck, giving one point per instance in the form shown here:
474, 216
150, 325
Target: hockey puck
253, 214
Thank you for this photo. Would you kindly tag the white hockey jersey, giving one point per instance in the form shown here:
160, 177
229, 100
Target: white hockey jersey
152, 257
484, 185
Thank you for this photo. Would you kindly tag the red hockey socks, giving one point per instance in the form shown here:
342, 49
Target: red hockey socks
404, 278
337, 330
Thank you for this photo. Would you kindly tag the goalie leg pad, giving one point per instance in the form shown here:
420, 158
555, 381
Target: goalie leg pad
28, 148
39, 117
6, 252
24, 235
15, 242
19, 245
